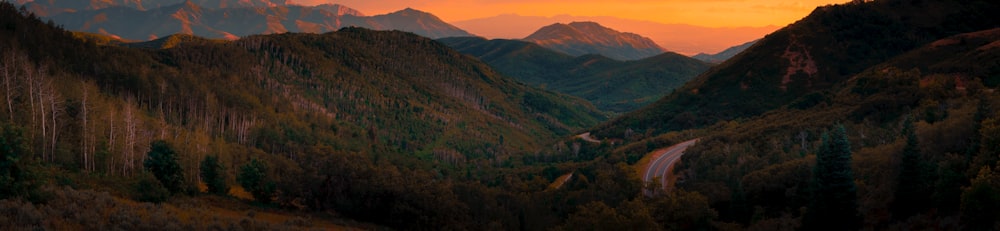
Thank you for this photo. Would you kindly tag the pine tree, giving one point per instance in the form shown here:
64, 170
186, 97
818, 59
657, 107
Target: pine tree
162, 162
15, 180
834, 203
214, 175
981, 200
253, 178
913, 191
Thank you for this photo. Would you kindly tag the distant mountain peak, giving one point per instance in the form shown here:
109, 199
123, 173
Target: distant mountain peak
419, 22
586, 37
202, 18
339, 9
413, 12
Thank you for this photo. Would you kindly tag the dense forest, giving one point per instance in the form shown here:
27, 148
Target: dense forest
385, 129
611, 85
805, 59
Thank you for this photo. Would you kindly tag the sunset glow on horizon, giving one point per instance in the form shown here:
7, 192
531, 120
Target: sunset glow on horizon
709, 13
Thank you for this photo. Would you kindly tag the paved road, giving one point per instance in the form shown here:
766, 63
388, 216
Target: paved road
659, 166
586, 137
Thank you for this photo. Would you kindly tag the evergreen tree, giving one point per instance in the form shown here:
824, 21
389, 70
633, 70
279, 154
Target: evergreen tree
834, 203
162, 162
15, 180
981, 200
253, 178
214, 175
913, 190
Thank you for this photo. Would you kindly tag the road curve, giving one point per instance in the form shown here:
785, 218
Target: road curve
588, 138
666, 159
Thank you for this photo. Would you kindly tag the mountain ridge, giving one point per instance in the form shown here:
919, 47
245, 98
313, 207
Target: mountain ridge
681, 38
803, 58
611, 85
580, 38
231, 23
725, 54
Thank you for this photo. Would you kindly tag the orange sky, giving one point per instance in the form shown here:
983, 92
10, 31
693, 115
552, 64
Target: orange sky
711, 13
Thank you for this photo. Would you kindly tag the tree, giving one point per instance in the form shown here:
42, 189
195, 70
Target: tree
253, 178
981, 200
15, 179
834, 203
214, 175
913, 191
162, 162
682, 210
594, 216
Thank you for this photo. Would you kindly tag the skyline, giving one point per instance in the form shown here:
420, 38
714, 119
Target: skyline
712, 13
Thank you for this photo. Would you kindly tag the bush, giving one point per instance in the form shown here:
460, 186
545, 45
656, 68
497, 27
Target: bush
149, 189
213, 174
162, 162
253, 178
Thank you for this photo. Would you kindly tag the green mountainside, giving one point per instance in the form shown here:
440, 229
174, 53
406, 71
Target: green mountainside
824, 49
759, 171
611, 85
384, 127
910, 113
877, 115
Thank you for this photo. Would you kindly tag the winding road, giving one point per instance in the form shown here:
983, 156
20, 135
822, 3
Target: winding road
588, 138
664, 160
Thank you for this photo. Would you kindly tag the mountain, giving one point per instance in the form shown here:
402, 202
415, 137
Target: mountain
580, 38
725, 54
365, 123
231, 23
417, 22
770, 161
909, 99
339, 10
53, 7
611, 85
681, 38
802, 60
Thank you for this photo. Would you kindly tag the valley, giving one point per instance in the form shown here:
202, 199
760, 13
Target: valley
269, 115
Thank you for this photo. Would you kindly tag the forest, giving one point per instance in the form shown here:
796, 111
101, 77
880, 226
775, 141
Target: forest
389, 130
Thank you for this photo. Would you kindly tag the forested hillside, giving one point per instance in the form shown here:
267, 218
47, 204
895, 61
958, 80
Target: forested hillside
880, 115
611, 85
905, 143
387, 127
824, 49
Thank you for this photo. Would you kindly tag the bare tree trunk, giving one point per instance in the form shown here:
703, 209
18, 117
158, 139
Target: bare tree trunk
41, 116
84, 145
130, 139
54, 115
111, 142
30, 81
8, 79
